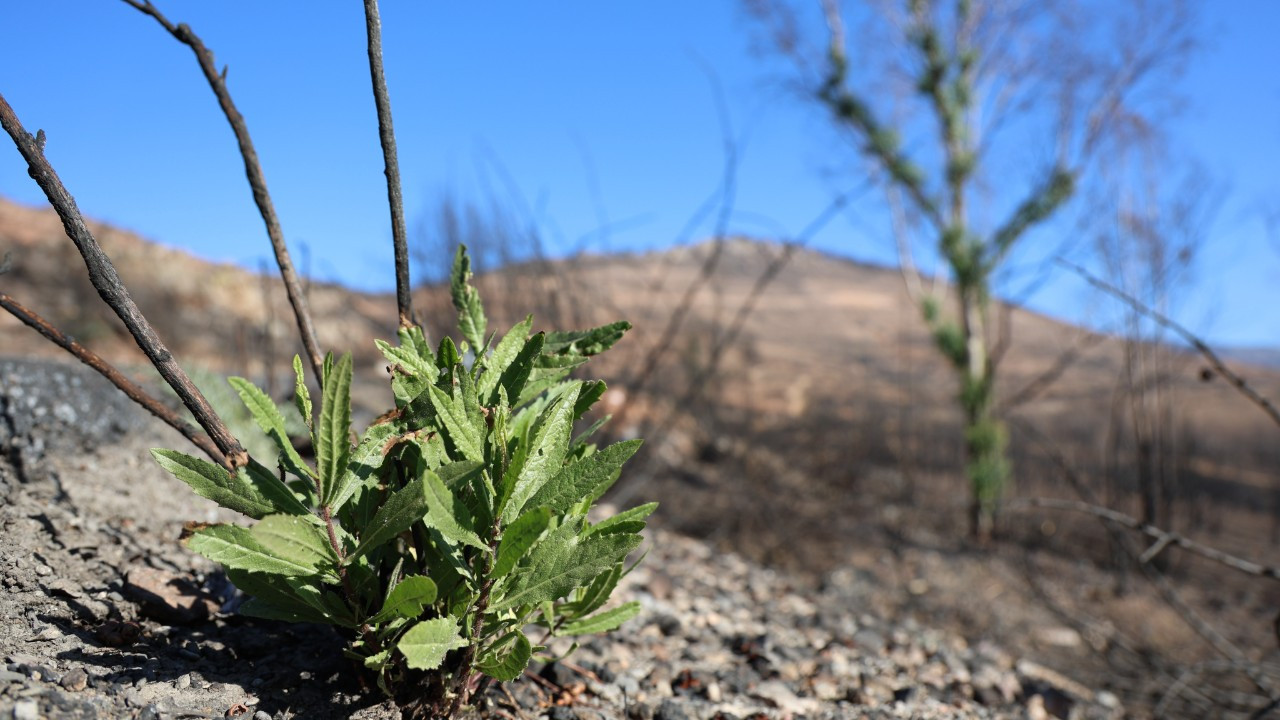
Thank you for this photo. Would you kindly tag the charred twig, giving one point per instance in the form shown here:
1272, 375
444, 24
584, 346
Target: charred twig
253, 172
95, 361
373, 27
105, 279
1163, 585
1215, 362
1163, 538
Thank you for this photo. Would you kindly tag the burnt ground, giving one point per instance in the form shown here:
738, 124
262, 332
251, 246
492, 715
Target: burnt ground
105, 615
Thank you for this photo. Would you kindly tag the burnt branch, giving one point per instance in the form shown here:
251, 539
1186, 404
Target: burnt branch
1162, 538
253, 172
1215, 362
95, 361
105, 279
381, 98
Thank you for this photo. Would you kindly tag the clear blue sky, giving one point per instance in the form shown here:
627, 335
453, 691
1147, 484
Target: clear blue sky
596, 111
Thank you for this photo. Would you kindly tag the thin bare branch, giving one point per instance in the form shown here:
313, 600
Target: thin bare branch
1038, 384
1163, 585
1215, 362
1162, 538
386, 132
103, 275
95, 361
252, 171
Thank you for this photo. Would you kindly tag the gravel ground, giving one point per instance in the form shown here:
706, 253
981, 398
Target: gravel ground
104, 615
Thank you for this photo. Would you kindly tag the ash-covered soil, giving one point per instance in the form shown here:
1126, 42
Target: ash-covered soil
105, 615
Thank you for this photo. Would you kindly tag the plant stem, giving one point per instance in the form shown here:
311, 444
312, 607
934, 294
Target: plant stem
105, 279
253, 172
95, 361
386, 132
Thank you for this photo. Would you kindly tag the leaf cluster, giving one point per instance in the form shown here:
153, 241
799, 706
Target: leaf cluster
454, 524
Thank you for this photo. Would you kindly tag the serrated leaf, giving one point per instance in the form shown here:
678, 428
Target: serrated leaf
292, 538
274, 490
333, 432
426, 643
562, 562
301, 395
235, 547
267, 610
398, 513
518, 538
545, 457
447, 356
471, 320
602, 622
234, 492
466, 438
586, 479
628, 521
268, 417
508, 660
363, 462
411, 373
596, 593
507, 350
592, 390
586, 343
442, 513
273, 598
541, 380
407, 599
517, 372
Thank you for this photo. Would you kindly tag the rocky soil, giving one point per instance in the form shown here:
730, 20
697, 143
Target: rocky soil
104, 615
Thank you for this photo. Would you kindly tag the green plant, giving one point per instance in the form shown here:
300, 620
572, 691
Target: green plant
458, 520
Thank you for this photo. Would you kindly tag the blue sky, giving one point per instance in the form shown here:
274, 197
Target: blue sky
579, 113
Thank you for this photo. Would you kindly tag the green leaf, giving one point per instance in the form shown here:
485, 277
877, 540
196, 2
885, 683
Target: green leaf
471, 320
517, 372
273, 598
447, 356
586, 479
562, 562
301, 395
235, 547
398, 513
586, 343
411, 372
268, 417
547, 449
442, 513
602, 622
407, 599
333, 432
596, 593
591, 392
363, 462
426, 643
234, 492
267, 610
274, 490
628, 521
518, 538
506, 351
292, 538
468, 439
507, 660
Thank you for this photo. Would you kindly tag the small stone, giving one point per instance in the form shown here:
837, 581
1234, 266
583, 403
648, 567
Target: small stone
26, 710
169, 598
183, 682
262, 715
75, 680
150, 712
670, 710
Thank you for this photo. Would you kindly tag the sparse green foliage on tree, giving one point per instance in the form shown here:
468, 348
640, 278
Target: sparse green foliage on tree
453, 525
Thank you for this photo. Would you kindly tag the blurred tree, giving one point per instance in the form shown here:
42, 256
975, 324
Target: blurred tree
1023, 100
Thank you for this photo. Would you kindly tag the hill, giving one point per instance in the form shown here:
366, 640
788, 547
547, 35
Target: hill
814, 432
